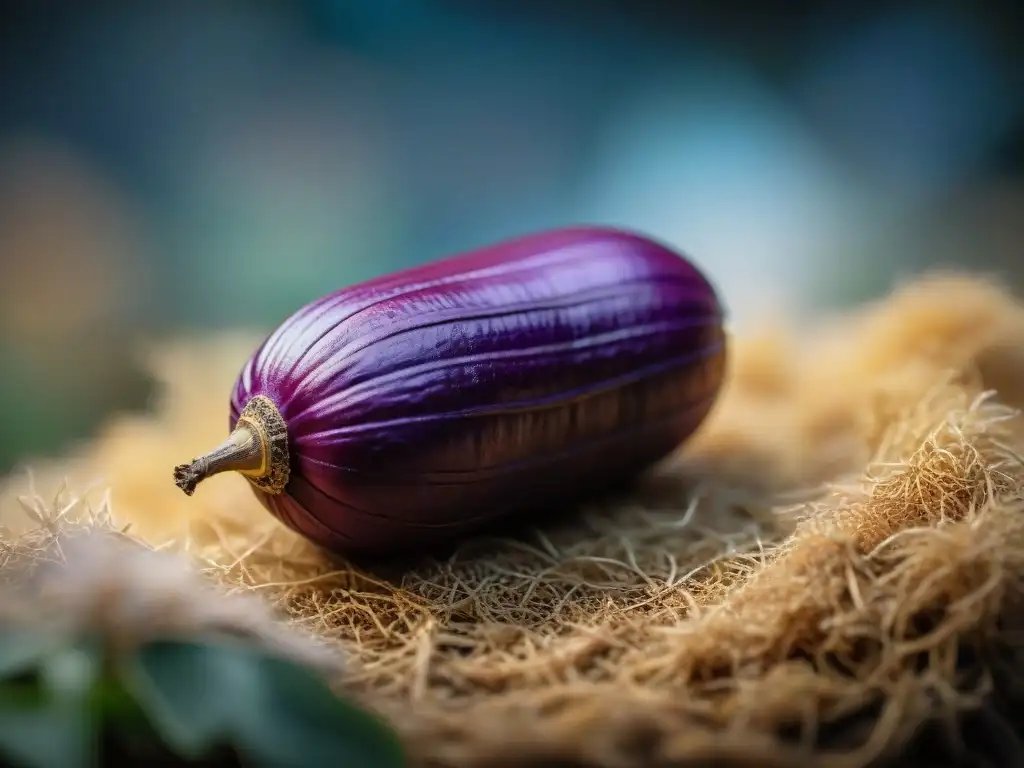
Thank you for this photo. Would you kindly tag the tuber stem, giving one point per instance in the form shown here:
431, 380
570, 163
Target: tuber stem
243, 451
257, 448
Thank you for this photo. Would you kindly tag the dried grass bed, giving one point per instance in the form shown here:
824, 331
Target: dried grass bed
829, 574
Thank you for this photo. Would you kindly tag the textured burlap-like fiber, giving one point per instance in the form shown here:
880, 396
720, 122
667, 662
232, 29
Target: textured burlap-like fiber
830, 573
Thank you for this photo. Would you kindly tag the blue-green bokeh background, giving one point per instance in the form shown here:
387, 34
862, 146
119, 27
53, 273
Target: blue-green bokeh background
181, 167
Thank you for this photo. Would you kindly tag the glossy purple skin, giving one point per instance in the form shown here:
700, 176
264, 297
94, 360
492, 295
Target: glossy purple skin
425, 403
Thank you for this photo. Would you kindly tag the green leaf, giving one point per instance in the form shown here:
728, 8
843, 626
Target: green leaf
274, 712
38, 730
23, 651
304, 711
71, 673
128, 734
45, 719
192, 693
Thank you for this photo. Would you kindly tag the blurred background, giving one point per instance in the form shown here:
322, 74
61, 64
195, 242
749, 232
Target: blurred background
171, 168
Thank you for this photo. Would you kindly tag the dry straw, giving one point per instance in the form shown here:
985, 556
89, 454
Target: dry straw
828, 570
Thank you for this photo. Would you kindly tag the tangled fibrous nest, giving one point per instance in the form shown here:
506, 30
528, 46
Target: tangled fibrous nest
829, 573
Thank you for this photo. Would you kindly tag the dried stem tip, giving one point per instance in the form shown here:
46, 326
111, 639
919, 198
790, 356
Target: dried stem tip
257, 448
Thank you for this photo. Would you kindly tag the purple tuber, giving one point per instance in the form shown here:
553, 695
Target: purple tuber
418, 406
